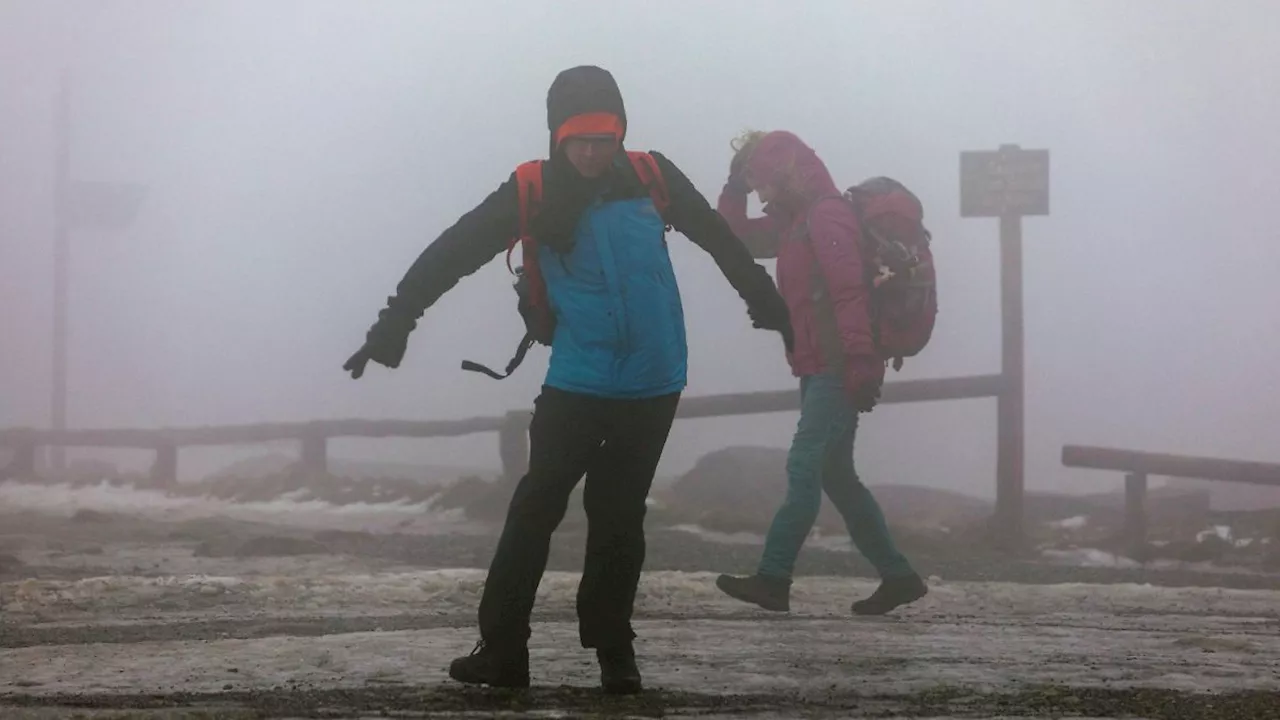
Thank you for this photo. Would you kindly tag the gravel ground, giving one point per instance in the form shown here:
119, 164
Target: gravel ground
113, 618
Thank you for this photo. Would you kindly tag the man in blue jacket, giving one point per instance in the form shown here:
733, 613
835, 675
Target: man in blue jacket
605, 299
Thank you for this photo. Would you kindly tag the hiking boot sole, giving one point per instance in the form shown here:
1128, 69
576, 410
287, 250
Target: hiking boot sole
771, 606
509, 683
859, 609
631, 686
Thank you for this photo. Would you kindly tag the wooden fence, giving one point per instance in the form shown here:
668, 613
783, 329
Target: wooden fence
1139, 466
512, 429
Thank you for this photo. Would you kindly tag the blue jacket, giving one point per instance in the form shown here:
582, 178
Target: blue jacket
619, 322
620, 329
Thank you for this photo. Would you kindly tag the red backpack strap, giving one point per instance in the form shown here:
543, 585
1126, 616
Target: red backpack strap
651, 177
529, 197
529, 200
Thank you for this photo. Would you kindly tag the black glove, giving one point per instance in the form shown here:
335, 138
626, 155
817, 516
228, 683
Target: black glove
865, 377
865, 398
774, 316
737, 182
385, 343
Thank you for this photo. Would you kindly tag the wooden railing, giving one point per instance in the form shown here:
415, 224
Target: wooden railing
1139, 466
512, 428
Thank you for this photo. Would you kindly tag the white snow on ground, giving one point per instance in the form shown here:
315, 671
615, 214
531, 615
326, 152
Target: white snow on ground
1088, 557
65, 500
1093, 557
1071, 523
987, 636
838, 542
448, 591
1222, 532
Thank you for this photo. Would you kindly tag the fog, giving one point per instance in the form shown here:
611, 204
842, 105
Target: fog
299, 155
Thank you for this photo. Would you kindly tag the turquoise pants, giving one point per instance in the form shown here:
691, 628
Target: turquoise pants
821, 459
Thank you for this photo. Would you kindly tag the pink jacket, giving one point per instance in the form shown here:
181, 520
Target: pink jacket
815, 238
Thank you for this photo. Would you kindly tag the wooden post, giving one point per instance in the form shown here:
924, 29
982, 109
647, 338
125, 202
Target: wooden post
315, 454
1009, 183
1135, 514
1010, 448
513, 445
164, 471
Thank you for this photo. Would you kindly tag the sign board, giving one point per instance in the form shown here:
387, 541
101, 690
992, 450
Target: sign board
1008, 181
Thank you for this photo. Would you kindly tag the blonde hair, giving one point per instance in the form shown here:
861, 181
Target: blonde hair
746, 142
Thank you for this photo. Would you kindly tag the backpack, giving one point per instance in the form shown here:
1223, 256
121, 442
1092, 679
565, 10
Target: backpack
898, 265
531, 290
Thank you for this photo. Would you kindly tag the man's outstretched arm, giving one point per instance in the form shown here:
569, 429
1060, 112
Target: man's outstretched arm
475, 239
692, 215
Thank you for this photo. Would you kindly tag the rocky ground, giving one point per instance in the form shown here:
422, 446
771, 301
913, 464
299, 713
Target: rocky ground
107, 614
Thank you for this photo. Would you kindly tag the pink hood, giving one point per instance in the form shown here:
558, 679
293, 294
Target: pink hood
819, 270
785, 162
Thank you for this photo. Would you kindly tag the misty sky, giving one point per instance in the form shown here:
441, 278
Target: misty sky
300, 155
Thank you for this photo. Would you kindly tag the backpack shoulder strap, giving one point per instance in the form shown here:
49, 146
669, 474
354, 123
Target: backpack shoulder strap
529, 197
814, 205
529, 188
651, 177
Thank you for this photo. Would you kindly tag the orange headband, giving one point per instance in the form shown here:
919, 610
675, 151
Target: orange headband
598, 123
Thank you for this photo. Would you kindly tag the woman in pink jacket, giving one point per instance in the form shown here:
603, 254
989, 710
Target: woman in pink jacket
814, 235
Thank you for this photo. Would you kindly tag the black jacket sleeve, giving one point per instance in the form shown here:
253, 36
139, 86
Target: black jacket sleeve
691, 214
475, 239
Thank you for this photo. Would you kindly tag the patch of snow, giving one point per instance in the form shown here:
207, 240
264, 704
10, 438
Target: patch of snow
984, 636
290, 509
1088, 557
738, 538
1222, 532
456, 591
1071, 523
837, 542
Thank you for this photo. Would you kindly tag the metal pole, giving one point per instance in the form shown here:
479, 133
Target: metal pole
61, 260
1010, 453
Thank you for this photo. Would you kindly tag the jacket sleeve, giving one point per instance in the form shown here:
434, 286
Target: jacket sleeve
691, 214
760, 235
475, 239
834, 237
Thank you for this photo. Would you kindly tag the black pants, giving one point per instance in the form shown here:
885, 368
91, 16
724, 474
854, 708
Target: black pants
617, 445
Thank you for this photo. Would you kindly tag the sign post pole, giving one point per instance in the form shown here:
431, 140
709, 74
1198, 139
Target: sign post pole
77, 205
1008, 184
1010, 447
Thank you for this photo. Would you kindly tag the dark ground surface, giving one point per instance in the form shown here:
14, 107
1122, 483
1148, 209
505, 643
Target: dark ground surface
1039, 702
668, 550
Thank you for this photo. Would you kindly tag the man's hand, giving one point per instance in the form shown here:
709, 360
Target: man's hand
775, 317
355, 364
385, 343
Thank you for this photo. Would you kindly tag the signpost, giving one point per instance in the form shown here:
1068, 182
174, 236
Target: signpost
77, 205
1008, 183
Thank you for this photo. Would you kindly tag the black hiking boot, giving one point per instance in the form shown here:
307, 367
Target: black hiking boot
618, 672
769, 593
486, 665
892, 593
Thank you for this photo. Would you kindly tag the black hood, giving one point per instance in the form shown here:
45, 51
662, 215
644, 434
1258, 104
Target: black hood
580, 90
